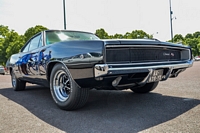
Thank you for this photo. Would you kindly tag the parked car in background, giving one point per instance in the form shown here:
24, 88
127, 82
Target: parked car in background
197, 58
2, 70
73, 62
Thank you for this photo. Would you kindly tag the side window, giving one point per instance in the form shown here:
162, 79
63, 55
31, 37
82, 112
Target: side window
26, 48
40, 42
35, 42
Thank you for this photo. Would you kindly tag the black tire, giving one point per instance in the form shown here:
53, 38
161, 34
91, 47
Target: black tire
146, 88
64, 90
18, 85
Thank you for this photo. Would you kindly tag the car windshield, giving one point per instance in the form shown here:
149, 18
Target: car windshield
58, 36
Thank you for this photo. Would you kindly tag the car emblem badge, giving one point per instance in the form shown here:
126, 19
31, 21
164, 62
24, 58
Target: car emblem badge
166, 54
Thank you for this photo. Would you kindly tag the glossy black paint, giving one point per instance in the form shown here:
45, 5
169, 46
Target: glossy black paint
33, 66
79, 57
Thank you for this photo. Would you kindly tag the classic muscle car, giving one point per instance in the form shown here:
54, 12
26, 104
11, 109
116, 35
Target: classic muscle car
73, 62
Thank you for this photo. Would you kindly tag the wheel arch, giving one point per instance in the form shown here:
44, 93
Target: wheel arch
50, 67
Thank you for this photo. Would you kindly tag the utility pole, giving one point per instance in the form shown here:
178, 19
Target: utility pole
171, 12
64, 14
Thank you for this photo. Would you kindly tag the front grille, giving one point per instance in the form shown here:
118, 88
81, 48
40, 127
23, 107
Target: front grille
129, 55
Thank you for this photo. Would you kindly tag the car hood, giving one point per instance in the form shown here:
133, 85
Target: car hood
140, 42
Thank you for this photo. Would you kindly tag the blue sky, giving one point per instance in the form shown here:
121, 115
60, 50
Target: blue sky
115, 16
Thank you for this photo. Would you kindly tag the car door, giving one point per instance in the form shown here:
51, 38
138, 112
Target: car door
28, 61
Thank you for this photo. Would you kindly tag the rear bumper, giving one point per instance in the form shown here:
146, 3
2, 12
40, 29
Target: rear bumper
173, 69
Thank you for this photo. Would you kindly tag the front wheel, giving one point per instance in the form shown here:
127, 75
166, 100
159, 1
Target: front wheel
18, 85
146, 88
65, 92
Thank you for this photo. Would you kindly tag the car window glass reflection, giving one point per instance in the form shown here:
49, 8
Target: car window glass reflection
34, 43
58, 36
26, 48
40, 43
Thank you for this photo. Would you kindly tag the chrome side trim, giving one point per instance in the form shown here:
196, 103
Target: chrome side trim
149, 63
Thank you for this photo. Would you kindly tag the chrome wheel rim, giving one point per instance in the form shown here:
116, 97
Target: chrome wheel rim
13, 80
62, 85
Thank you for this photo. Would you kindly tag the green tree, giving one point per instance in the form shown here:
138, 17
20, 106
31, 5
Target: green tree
4, 32
118, 36
128, 35
189, 35
32, 31
196, 34
194, 43
178, 38
10, 45
139, 34
102, 34
15, 45
193, 40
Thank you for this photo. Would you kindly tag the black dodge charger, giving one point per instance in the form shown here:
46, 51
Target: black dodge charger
73, 62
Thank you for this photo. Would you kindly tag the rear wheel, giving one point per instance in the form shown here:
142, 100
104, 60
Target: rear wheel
65, 92
18, 85
146, 88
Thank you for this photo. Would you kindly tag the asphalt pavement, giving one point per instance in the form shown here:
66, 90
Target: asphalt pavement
174, 106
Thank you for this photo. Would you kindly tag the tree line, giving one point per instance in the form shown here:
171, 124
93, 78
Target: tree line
192, 40
11, 42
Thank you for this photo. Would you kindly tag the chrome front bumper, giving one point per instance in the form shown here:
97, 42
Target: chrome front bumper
104, 70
